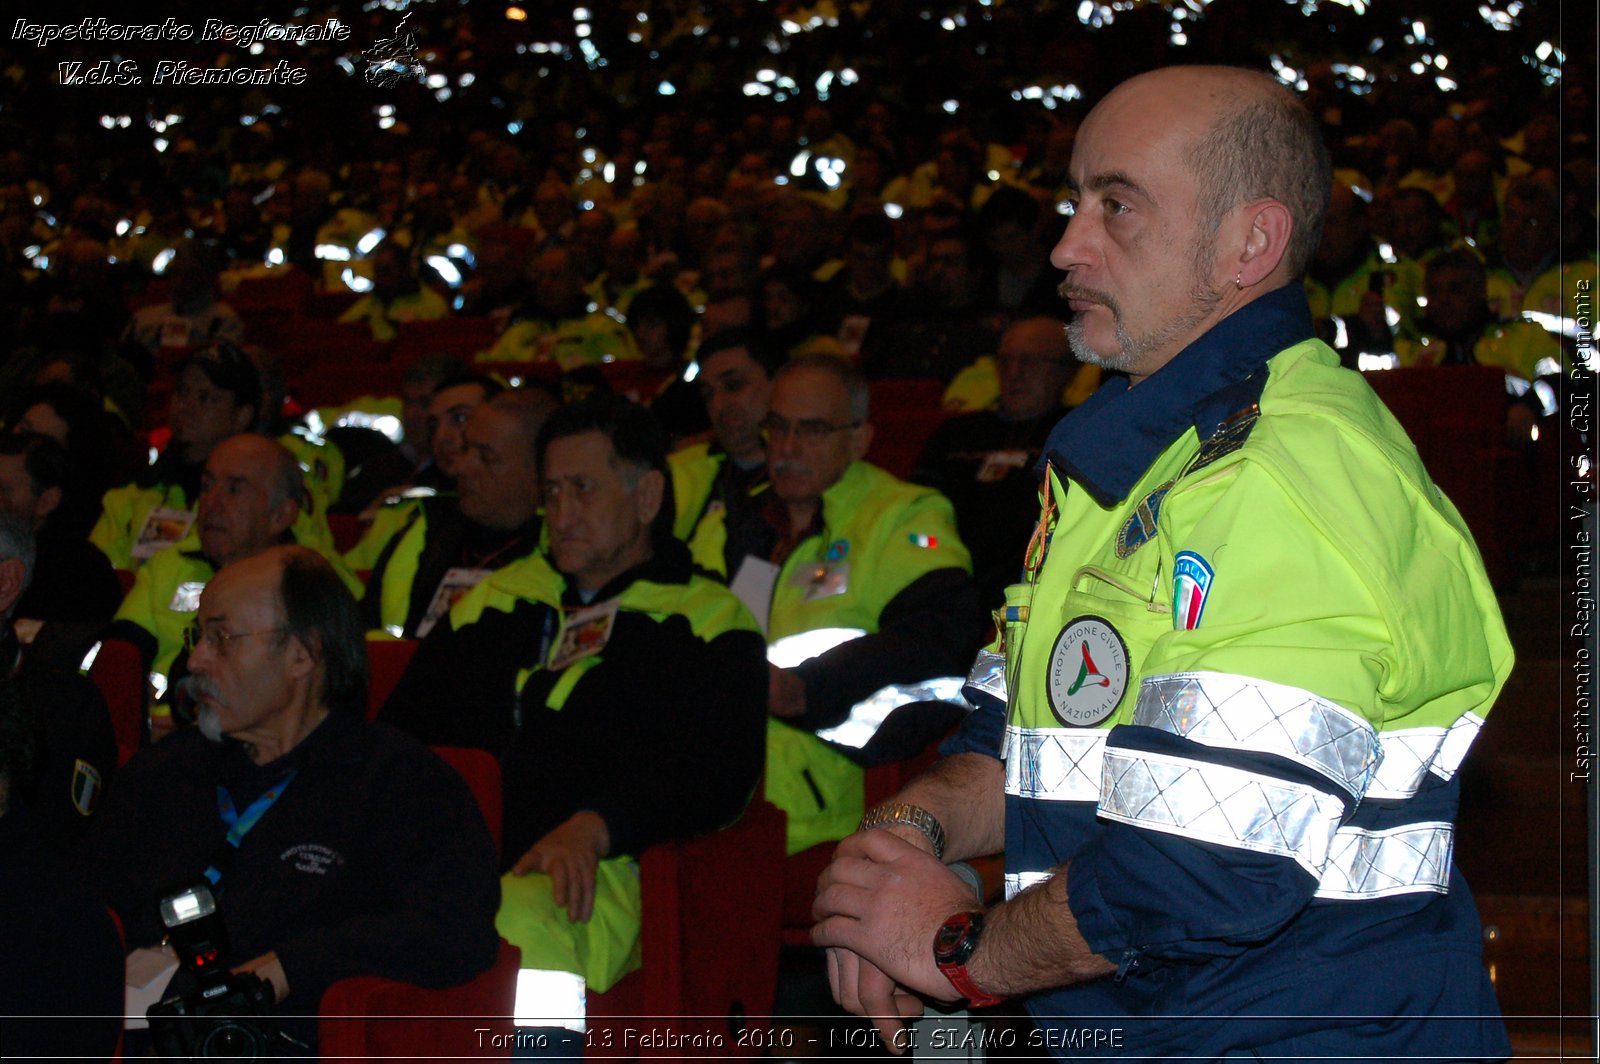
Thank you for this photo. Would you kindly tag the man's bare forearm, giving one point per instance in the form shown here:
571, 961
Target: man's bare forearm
966, 794
1032, 943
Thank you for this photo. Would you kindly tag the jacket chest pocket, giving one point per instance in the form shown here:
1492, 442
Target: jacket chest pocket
1083, 644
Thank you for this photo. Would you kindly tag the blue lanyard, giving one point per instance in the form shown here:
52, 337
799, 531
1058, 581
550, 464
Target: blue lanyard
239, 825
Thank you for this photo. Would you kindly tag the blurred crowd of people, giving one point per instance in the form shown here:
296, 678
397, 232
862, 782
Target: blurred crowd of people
766, 256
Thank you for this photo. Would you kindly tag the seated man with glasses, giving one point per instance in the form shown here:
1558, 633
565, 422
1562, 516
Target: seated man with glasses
334, 847
252, 496
842, 546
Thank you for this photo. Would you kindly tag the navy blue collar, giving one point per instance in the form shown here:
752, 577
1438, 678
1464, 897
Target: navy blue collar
1109, 442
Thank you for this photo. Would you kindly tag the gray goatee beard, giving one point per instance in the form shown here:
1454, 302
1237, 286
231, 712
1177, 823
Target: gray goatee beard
209, 723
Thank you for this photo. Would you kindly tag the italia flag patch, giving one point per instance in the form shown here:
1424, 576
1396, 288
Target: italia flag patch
1191, 584
86, 787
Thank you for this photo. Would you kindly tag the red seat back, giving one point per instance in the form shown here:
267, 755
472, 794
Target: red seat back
118, 671
386, 663
710, 942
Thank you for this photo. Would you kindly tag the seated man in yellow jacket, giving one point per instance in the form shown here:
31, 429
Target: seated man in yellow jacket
452, 542
252, 495
219, 392
844, 551
622, 689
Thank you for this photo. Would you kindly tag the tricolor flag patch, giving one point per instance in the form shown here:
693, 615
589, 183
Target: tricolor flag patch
925, 542
1191, 584
86, 787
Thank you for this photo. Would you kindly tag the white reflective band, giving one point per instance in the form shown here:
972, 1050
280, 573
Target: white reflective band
791, 650
1241, 713
868, 715
1055, 764
1552, 323
548, 998
1017, 882
1411, 753
1456, 744
1380, 864
1219, 804
988, 674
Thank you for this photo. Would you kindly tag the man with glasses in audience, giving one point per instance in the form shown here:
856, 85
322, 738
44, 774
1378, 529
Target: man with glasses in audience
842, 545
252, 494
333, 847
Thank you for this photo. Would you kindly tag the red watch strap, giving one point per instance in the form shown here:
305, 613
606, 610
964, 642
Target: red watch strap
962, 981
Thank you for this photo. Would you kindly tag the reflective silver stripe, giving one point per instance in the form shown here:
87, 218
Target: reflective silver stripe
1380, 864
988, 675
1055, 764
867, 715
1017, 882
1219, 804
549, 998
801, 647
1242, 713
1456, 744
1407, 756
1410, 753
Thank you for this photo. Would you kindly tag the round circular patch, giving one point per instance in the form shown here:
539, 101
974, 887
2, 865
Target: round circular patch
1088, 672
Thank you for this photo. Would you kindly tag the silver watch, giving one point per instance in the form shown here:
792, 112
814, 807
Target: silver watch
912, 815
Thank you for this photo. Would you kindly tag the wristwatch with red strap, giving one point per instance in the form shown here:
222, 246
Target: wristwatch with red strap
952, 948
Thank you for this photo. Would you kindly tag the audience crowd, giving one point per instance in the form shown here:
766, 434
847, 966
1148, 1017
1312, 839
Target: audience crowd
414, 329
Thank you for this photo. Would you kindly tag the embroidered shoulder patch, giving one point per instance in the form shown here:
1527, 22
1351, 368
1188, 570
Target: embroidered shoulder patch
1191, 584
1229, 437
1140, 528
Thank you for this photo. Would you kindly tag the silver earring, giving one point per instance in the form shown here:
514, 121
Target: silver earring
1238, 280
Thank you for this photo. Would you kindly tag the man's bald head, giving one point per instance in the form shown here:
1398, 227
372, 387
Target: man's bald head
1195, 191
1250, 139
250, 495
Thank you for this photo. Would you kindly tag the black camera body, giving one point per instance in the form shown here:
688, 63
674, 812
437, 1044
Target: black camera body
225, 1016
215, 1020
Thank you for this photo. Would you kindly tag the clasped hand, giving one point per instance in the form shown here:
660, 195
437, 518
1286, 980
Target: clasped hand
878, 906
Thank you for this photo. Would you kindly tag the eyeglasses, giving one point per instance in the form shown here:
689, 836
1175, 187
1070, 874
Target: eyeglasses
216, 639
808, 429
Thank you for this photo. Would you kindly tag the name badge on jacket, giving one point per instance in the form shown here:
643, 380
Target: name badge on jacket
585, 634
452, 588
822, 580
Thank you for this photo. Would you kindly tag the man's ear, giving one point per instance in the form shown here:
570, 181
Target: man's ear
648, 495
48, 500
303, 657
1267, 228
244, 419
860, 440
10, 584
283, 516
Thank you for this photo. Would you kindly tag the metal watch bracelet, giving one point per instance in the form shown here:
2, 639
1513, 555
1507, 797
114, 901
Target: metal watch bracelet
912, 815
